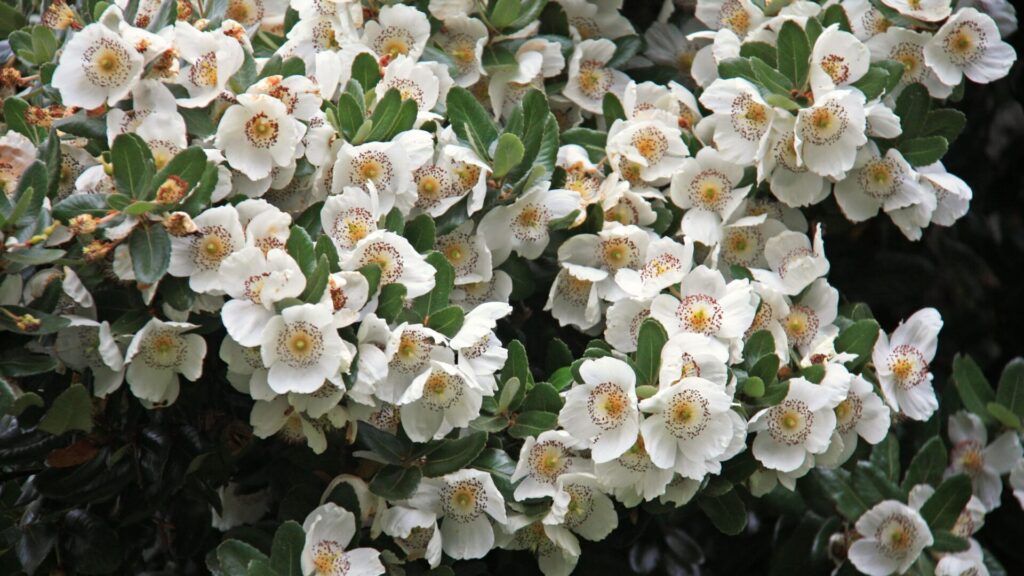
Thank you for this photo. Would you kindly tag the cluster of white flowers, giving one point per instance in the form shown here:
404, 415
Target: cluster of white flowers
342, 201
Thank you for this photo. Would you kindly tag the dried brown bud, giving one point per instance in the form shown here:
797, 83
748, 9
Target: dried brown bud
172, 191
60, 16
179, 224
40, 117
97, 250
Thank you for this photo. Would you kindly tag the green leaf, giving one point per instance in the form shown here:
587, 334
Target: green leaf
470, 121
349, 114
625, 48
529, 11
503, 13
839, 488
769, 77
924, 150
944, 507
75, 204
11, 19
150, 249
508, 154
835, 14
372, 274
71, 410
286, 551
396, 483
793, 53
366, 71
444, 281
726, 511
489, 423
858, 338
612, 108
391, 116
420, 233
391, 448
762, 50
447, 321
517, 365
593, 141
1004, 415
234, 557
524, 281
300, 247
759, 345
927, 465
737, 68
973, 387
15, 115
912, 106
391, 301
454, 454
316, 282
532, 423
886, 457
133, 165
895, 69
509, 390
189, 165
946, 541
395, 221
1011, 387
544, 397
945, 122
872, 484
650, 340
324, 247
873, 83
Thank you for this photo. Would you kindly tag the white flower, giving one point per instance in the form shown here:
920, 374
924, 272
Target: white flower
984, 463
901, 361
623, 320
838, 59
1017, 481
468, 296
738, 16
953, 195
602, 410
463, 500
97, 66
329, 529
827, 134
970, 520
278, 416
795, 263
301, 348
349, 217
347, 293
398, 261
862, 414
239, 506
877, 181
957, 565
907, 47
467, 252
598, 257
542, 460
968, 44
556, 549
741, 121
157, 354
893, 536
388, 165
790, 432
87, 344
408, 352
416, 81
255, 282
199, 256
523, 226
212, 57
595, 19
257, 134
245, 370
646, 150
707, 305
477, 346
632, 477
590, 78
705, 187
438, 401
463, 39
582, 506
398, 30
688, 355
536, 59
415, 532
666, 263
926, 10
667, 45
689, 427
574, 300
865, 19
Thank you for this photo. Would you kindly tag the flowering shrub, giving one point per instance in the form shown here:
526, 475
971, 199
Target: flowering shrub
338, 288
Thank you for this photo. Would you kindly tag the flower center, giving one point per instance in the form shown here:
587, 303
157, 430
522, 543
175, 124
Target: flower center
608, 405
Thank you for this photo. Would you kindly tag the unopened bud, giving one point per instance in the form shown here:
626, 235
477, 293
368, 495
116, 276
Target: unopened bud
28, 323
82, 224
180, 224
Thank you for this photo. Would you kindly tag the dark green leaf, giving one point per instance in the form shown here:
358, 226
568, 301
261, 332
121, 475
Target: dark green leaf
395, 483
873, 83
234, 557
835, 14
762, 50
543, 397
150, 248
945, 122
945, 505
625, 48
532, 423
886, 457
858, 338
508, 154
769, 77
391, 301
470, 121
133, 165
927, 465
504, 12
388, 446
454, 454
973, 387
286, 551
420, 233
793, 53
839, 488
592, 141
300, 247
366, 71
727, 512
912, 106
651, 339
612, 108
447, 320
924, 150
71, 410
946, 541
1011, 387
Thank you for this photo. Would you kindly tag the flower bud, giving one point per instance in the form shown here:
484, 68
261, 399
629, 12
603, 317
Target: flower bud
180, 224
